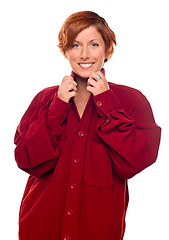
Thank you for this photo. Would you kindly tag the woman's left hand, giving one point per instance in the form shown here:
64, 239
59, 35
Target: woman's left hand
97, 86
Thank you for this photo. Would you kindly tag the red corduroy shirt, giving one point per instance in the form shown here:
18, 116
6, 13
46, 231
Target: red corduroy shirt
77, 189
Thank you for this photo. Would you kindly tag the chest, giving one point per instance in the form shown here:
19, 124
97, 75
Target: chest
81, 103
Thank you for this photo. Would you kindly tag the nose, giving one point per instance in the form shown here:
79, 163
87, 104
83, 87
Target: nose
85, 53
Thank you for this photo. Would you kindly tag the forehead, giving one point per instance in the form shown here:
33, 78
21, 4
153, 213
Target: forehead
88, 34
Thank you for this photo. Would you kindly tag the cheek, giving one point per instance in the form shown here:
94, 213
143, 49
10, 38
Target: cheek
100, 55
72, 56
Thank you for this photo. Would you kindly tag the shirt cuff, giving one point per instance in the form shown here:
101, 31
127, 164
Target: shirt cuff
106, 101
59, 108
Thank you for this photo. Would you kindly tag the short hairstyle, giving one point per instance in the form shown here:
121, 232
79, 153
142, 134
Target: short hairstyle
79, 21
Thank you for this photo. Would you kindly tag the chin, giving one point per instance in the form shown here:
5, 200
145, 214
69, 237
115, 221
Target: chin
83, 74
86, 73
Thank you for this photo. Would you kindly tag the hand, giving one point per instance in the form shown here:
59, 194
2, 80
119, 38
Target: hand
67, 89
97, 87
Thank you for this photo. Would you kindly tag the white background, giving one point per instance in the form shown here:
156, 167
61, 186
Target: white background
31, 61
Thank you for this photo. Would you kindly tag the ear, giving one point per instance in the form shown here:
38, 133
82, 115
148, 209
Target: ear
106, 56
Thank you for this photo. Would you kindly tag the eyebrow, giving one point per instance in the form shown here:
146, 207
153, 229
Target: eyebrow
90, 40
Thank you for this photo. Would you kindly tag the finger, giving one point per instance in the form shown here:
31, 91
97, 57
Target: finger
95, 75
73, 81
100, 74
66, 78
72, 94
92, 82
71, 87
91, 90
69, 79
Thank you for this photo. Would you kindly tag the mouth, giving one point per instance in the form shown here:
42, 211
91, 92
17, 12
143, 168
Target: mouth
86, 65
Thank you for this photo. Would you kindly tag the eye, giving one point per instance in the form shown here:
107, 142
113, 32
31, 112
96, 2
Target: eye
75, 45
94, 45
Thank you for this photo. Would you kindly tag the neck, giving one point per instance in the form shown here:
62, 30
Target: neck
81, 84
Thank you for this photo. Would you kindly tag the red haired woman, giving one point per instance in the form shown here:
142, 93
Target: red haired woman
81, 141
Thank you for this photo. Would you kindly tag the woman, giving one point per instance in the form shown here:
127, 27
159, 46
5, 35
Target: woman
81, 141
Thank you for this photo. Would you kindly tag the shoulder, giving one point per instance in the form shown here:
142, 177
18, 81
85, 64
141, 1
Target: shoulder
46, 95
127, 93
43, 98
130, 98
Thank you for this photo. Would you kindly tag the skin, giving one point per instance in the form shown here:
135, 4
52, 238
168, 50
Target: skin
86, 58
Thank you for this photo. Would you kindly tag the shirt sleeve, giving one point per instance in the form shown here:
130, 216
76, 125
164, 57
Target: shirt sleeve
38, 135
133, 138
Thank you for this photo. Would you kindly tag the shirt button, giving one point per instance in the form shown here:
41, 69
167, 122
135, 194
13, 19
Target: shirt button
66, 238
98, 103
76, 161
70, 212
81, 134
73, 186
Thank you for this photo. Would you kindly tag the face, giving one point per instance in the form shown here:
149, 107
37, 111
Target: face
87, 53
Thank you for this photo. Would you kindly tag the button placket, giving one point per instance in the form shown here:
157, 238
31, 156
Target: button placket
73, 193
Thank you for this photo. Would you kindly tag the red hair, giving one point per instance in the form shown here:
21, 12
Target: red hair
79, 21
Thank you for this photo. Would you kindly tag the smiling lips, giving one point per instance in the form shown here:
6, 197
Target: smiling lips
85, 65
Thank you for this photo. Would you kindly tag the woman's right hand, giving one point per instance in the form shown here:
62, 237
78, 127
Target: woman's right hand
67, 89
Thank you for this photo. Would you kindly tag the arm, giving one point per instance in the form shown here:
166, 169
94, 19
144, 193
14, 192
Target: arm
38, 134
133, 138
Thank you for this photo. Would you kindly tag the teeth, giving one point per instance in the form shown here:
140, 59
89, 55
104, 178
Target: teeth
86, 65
